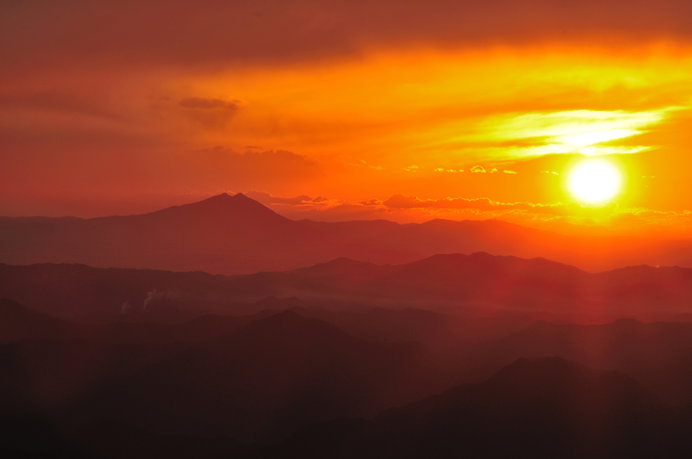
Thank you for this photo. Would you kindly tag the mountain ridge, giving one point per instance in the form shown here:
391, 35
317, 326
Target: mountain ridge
451, 281
237, 235
538, 408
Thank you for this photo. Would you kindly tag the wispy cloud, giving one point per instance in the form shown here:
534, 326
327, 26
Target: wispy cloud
410, 202
588, 132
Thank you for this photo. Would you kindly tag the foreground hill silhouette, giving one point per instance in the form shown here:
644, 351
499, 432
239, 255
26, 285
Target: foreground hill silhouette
235, 234
656, 354
284, 385
237, 380
543, 408
288, 384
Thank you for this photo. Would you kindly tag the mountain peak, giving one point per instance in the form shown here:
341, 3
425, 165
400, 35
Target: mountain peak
344, 269
225, 196
556, 382
238, 206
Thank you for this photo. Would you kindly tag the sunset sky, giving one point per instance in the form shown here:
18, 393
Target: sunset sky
340, 110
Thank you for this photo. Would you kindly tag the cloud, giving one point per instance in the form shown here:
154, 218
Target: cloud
208, 32
209, 104
87, 104
589, 132
321, 208
210, 113
302, 200
253, 168
558, 216
426, 77
555, 216
448, 170
482, 204
660, 218
364, 163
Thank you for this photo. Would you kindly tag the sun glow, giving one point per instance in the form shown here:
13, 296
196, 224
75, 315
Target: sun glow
594, 181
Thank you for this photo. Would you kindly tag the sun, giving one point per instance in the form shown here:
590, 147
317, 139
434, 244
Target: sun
594, 181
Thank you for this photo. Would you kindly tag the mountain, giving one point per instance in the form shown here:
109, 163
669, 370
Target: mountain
220, 234
657, 354
19, 323
249, 379
238, 209
235, 234
312, 382
542, 408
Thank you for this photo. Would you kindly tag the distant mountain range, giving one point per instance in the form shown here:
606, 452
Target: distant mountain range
454, 283
235, 234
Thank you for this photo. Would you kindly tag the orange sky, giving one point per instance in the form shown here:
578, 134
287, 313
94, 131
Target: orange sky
339, 110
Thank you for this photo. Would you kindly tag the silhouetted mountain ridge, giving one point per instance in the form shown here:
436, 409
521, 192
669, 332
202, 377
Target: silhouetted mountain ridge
239, 207
453, 281
656, 354
236, 234
541, 408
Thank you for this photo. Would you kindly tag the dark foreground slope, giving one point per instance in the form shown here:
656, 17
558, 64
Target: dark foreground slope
236, 380
288, 385
657, 354
533, 408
